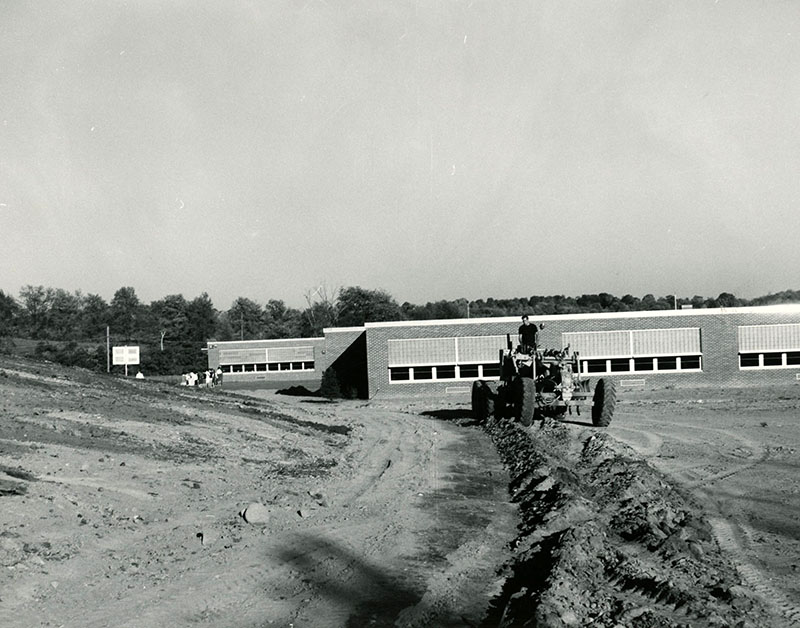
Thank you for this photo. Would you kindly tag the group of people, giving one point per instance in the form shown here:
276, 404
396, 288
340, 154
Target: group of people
208, 378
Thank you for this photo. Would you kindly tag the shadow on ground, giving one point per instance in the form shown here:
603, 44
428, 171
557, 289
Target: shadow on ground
368, 594
462, 416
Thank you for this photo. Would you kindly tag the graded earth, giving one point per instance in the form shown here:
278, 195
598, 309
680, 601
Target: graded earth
137, 503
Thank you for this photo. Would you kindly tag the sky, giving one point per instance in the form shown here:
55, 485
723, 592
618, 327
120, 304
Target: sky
432, 149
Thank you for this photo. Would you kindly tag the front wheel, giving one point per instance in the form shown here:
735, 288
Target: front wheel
604, 403
526, 400
482, 401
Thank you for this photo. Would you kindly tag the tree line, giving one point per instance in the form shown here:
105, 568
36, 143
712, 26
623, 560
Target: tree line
71, 327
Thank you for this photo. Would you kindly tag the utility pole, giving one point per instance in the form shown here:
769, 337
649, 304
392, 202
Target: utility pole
108, 349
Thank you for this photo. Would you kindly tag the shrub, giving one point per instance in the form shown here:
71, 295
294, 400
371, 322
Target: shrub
329, 386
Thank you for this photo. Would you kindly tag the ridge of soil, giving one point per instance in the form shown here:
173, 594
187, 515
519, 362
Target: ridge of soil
607, 540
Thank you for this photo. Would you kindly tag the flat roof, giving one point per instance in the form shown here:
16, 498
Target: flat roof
782, 308
329, 330
214, 343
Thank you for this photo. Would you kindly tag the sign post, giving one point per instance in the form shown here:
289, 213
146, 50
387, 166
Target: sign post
126, 355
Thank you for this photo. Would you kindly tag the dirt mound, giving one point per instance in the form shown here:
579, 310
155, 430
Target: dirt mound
606, 540
297, 391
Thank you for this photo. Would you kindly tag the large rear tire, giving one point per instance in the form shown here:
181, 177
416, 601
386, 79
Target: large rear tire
604, 403
482, 401
526, 400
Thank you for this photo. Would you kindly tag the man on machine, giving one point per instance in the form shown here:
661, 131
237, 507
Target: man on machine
528, 335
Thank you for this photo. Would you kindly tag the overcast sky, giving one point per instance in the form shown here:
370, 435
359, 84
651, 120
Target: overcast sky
434, 149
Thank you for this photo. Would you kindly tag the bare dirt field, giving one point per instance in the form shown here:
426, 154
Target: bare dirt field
737, 452
134, 503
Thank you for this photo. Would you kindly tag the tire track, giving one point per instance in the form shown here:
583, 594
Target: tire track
726, 537
656, 438
653, 441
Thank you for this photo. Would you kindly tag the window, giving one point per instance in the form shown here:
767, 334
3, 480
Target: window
423, 372
400, 374
769, 360
769, 346
491, 370
749, 360
690, 362
667, 363
594, 366
270, 366
450, 358
636, 350
446, 372
267, 359
619, 365
468, 371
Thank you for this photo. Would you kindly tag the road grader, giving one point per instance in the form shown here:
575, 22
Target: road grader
539, 384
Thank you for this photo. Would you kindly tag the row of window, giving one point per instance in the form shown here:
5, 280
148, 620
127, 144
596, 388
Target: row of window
658, 364
775, 359
267, 366
643, 364
444, 372
664, 350
593, 367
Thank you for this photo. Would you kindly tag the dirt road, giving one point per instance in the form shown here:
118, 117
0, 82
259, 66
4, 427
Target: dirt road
121, 505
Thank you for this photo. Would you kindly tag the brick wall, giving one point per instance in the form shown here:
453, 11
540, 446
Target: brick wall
718, 331
379, 334
347, 356
337, 341
271, 379
366, 348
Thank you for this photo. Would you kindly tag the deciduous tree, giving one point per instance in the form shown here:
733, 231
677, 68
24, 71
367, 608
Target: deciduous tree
358, 305
202, 318
322, 311
94, 317
65, 315
245, 319
171, 318
36, 302
281, 321
9, 314
125, 313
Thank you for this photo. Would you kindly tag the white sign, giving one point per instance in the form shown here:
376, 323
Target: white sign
125, 355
